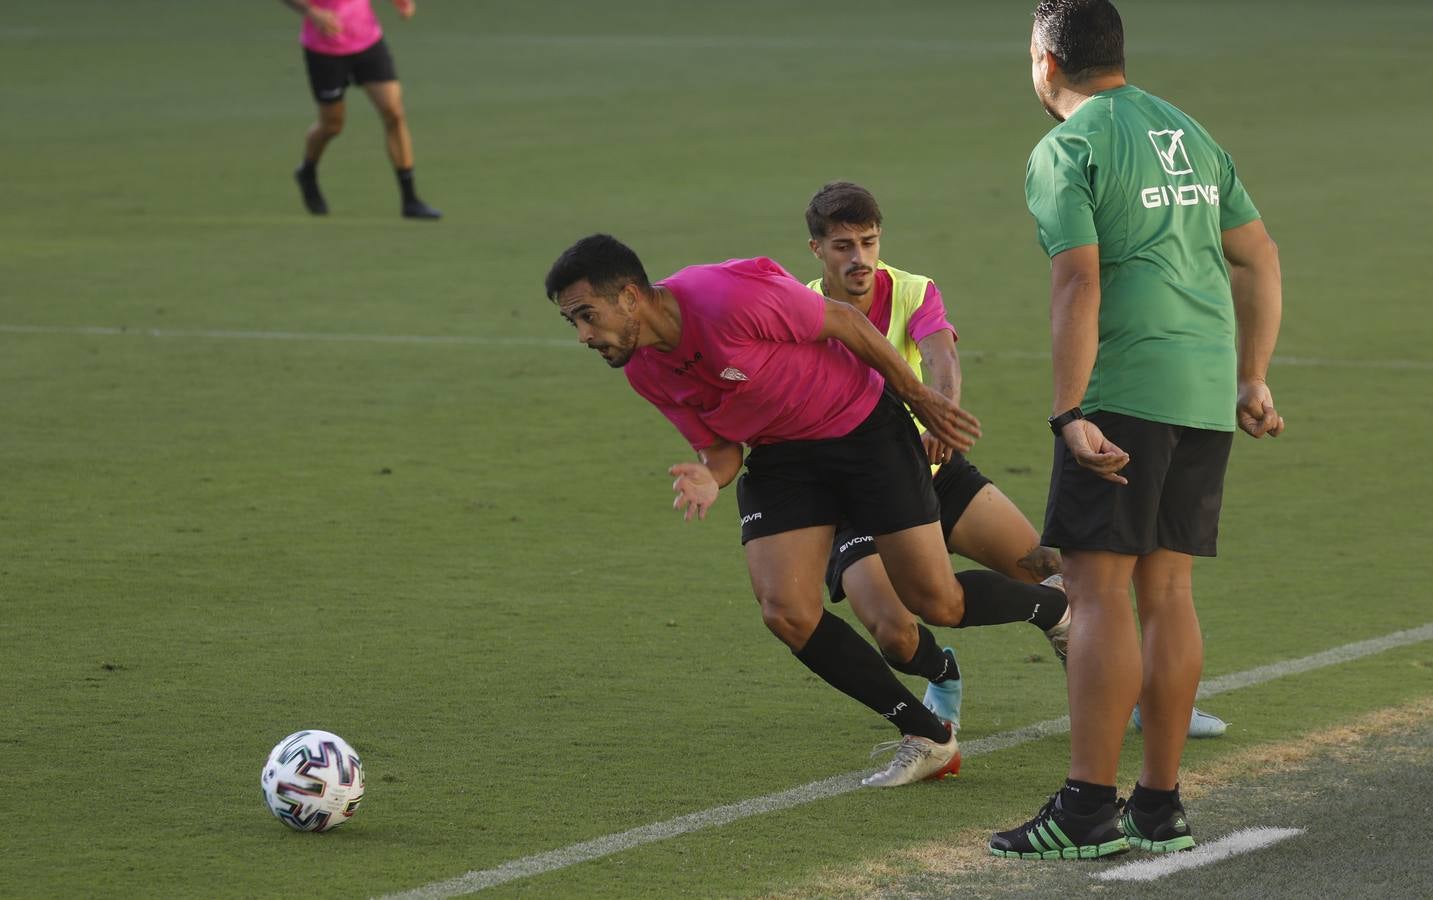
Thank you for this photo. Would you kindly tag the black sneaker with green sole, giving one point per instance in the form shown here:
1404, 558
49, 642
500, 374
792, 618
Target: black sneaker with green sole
1163, 829
1058, 833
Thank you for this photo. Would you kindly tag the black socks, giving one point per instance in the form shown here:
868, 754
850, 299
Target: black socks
993, 599
930, 662
850, 665
1085, 799
1150, 800
405, 184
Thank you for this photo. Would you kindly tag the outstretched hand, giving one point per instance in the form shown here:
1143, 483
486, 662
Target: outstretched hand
1257, 416
696, 489
1094, 451
406, 8
946, 422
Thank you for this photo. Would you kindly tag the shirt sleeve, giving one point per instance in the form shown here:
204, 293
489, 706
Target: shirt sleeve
1059, 192
690, 425
686, 418
929, 318
1235, 206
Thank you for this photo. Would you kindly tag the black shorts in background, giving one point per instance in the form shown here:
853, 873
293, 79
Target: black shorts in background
956, 484
876, 477
329, 76
1172, 501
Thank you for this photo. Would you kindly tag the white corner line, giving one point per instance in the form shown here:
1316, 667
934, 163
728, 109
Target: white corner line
835, 786
1245, 840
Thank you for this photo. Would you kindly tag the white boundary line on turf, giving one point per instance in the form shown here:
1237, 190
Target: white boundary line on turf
542, 863
1245, 840
485, 341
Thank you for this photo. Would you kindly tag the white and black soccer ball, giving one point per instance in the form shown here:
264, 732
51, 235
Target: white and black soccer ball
313, 781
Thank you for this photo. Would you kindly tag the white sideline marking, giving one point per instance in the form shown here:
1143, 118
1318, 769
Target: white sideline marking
1245, 840
486, 341
837, 785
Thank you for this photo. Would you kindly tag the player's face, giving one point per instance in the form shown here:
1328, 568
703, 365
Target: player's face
608, 325
849, 253
1039, 76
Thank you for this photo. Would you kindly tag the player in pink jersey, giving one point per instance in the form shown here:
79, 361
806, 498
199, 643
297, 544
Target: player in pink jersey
343, 43
741, 353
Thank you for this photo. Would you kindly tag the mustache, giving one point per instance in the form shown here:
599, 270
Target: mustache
855, 270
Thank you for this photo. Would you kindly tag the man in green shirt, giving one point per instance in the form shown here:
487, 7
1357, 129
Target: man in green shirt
1165, 307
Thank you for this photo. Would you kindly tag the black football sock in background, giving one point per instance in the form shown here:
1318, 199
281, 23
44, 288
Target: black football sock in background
930, 661
994, 599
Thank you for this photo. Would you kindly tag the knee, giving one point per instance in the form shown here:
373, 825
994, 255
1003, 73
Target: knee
392, 117
330, 126
938, 604
792, 628
897, 638
793, 624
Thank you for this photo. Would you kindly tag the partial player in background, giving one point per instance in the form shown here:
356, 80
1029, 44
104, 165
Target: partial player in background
343, 44
979, 522
1165, 301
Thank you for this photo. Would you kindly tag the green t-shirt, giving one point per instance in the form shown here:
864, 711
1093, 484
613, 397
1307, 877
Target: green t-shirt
1132, 173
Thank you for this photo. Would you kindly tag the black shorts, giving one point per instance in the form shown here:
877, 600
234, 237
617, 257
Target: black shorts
329, 76
956, 484
876, 476
1176, 486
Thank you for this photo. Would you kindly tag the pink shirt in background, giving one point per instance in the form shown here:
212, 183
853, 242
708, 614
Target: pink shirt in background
749, 367
360, 28
924, 322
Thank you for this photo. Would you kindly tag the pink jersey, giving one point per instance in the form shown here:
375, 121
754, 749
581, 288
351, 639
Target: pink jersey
359, 28
749, 367
924, 322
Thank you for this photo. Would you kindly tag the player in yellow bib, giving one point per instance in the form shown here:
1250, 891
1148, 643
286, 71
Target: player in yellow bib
980, 522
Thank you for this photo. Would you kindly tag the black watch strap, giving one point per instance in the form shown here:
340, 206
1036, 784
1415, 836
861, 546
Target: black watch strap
1058, 423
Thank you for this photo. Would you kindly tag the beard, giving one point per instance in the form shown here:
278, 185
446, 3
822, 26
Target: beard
621, 352
853, 289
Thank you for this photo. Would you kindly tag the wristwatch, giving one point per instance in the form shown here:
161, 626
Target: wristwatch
1058, 423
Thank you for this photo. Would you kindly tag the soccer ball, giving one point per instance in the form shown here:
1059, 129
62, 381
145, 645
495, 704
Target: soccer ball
313, 781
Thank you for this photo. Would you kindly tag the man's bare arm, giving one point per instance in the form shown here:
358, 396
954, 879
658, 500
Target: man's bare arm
948, 422
942, 363
1256, 282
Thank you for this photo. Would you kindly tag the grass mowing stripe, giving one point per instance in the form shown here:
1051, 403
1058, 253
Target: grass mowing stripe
837, 785
482, 341
316, 336
1245, 840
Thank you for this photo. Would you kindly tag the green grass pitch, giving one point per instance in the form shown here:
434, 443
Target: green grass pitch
460, 555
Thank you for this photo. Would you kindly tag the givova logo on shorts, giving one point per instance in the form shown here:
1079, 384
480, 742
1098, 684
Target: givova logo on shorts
1174, 159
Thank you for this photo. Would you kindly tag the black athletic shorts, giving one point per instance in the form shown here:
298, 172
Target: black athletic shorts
1176, 486
329, 76
956, 484
876, 475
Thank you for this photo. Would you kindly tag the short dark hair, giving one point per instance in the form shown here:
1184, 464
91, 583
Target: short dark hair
1086, 37
606, 263
841, 203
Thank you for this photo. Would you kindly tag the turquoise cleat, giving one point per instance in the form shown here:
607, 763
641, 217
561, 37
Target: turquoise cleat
1201, 723
943, 697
